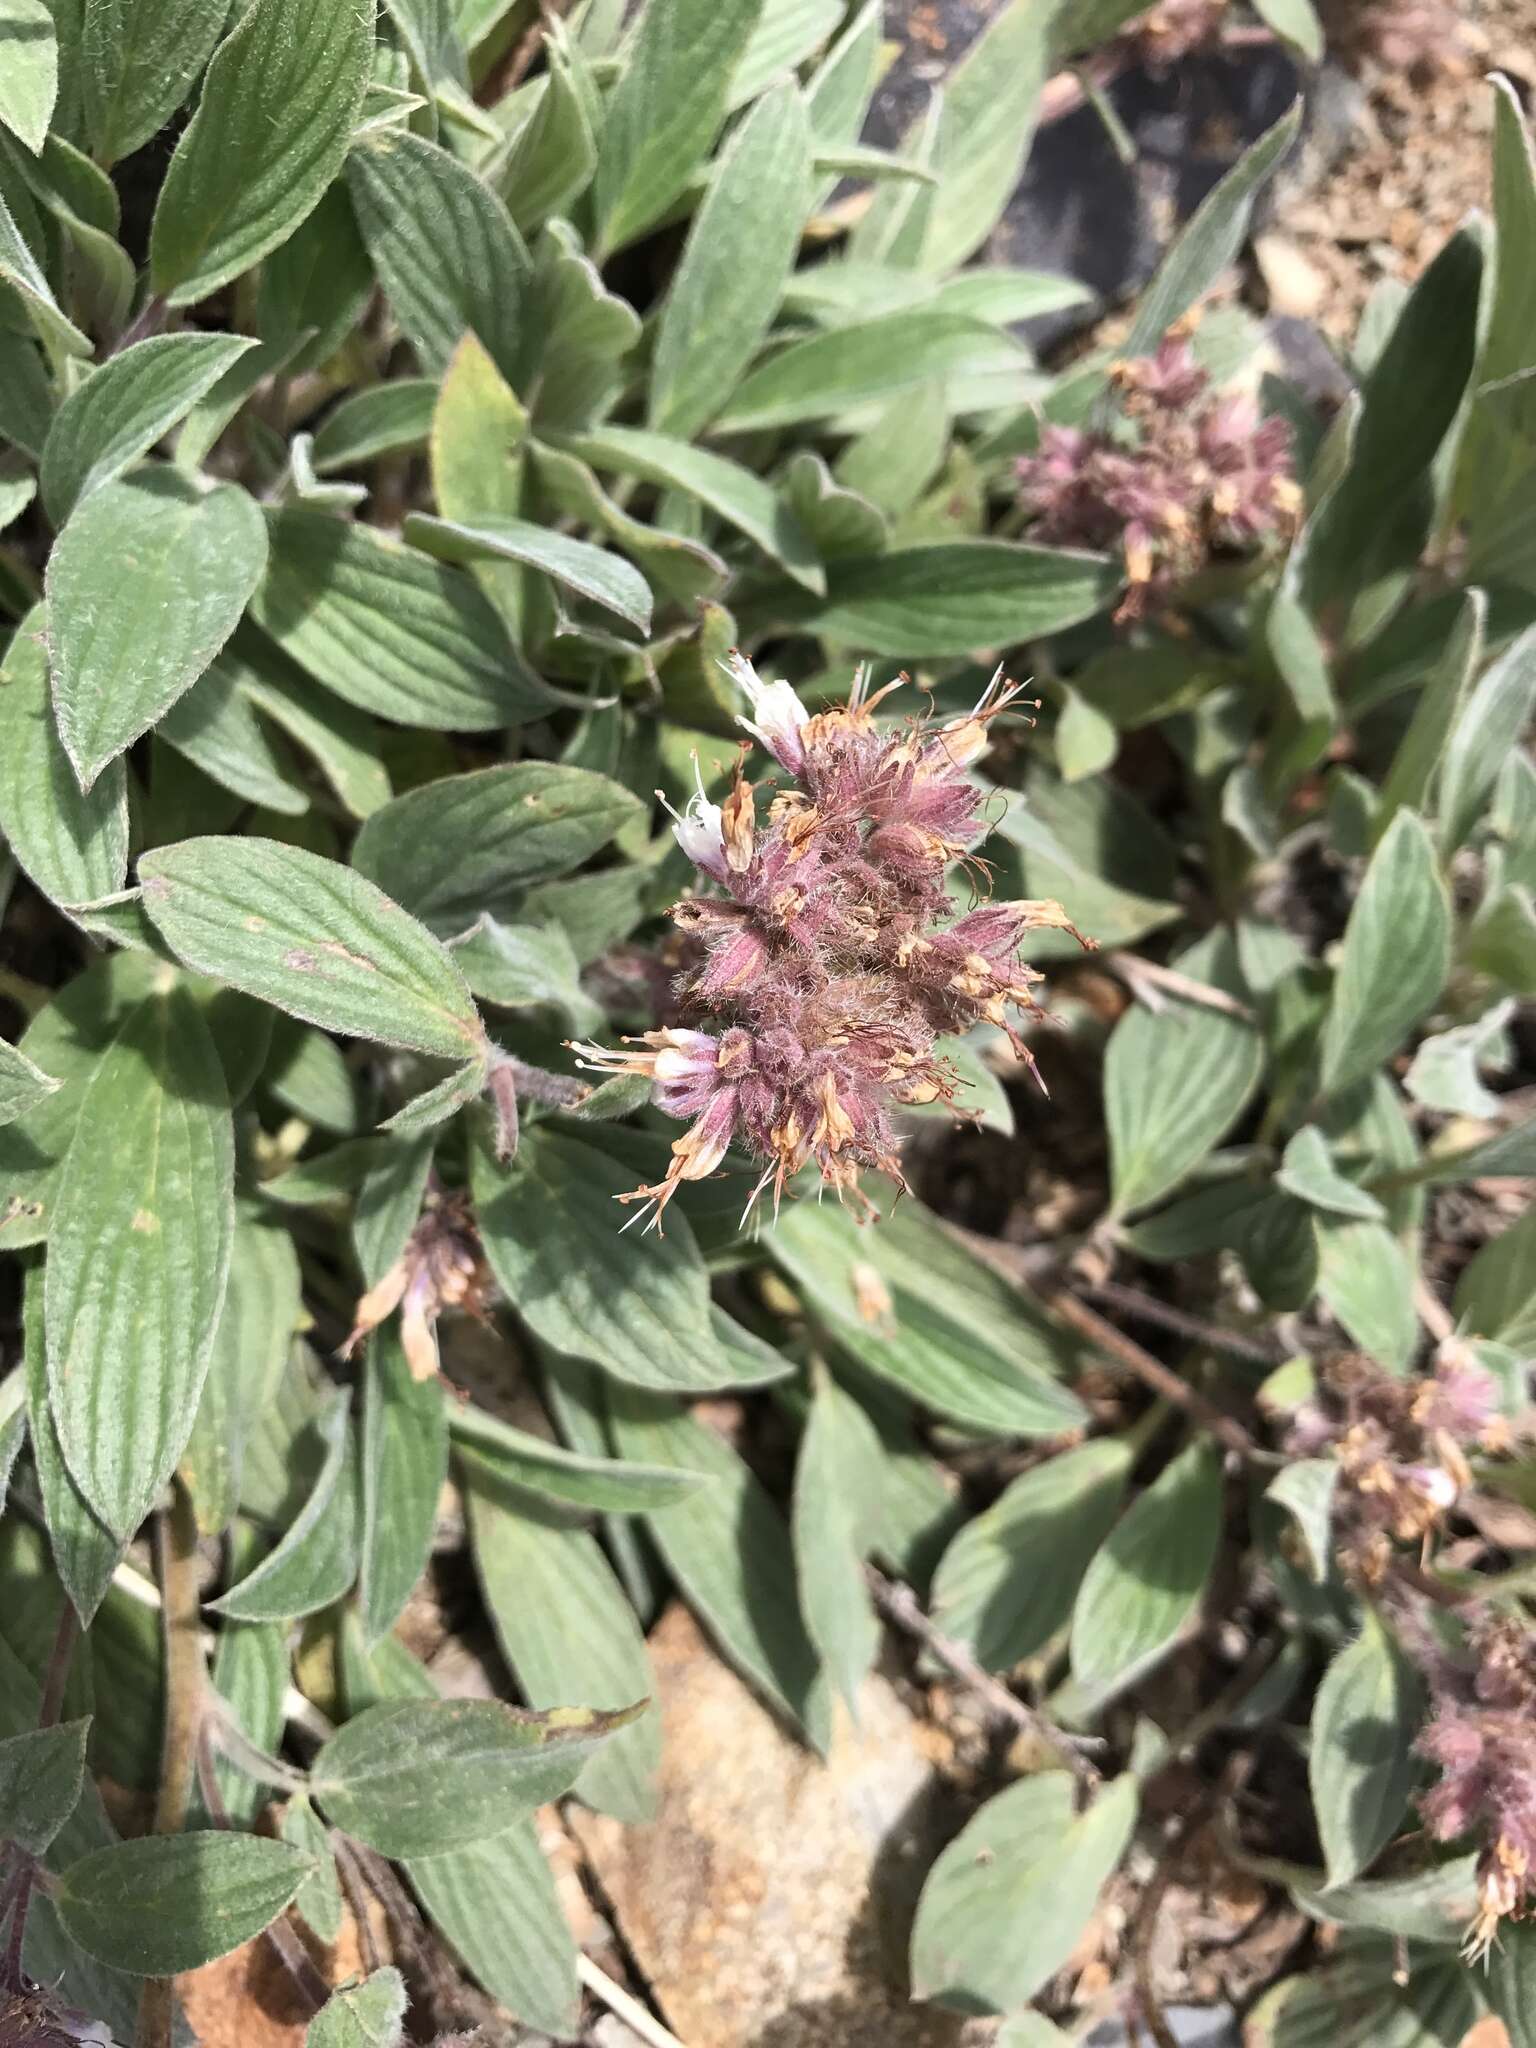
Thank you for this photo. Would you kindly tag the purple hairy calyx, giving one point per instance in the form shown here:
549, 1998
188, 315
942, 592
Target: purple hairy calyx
828, 965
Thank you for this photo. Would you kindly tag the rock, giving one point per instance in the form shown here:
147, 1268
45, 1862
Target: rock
1295, 286
770, 1901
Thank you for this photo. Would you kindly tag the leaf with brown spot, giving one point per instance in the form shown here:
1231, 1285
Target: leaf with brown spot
324, 944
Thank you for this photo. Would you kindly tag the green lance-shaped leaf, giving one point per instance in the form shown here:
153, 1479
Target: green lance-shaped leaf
366, 2015
315, 1561
638, 1307
145, 584
1008, 1581
836, 1523
602, 578
19, 268
1306, 1488
85, 1552
138, 61
1307, 1171
122, 409
1497, 711
215, 727
22, 1084
949, 597
1145, 1582
1366, 1281
663, 115
740, 251
1211, 239
270, 133
404, 1464
389, 629
138, 1255
850, 366
1510, 1984
444, 248
496, 1903
573, 1479
729, 1551
465, 845
1361, 1764
1394, 958
565, 1627
983, 134
167, 1903
312, 938
725, 488
1417, 763
1175, 1081
73, 843
949, 1333
418, 1777
41, 1774
1007, 1902
29, 70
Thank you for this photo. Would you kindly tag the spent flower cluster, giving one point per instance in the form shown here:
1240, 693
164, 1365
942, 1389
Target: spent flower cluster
1482, 1735
1179, 478
1402, 1449
826, 964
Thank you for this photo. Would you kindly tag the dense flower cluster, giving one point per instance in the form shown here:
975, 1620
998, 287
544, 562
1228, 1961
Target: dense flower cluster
1181, 477
1401, 1447
827, 965
1482, 1735
441, 1267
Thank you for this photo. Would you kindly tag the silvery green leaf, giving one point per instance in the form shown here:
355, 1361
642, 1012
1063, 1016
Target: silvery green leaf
72, 843
495, 1902
145, 584
1146, 1580
404, 1463
1362, 1764
1007, 1901
29, 70
1307, 1171
663, 114
366, 2015
389, 629
271, 131
738, 257
167, 1903
1444, 1074
22, 1084
1366, 1280
444, 247
1394, 957
465, 846
138, 1258
566, 1630
418, 1777
312, 938
122, 409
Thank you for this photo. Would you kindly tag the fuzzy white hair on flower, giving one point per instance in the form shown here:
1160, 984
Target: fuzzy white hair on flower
698, 828
777, 713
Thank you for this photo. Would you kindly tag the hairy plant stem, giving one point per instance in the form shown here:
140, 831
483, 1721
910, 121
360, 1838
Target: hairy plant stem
901, 1606
185, 1691
1162, 1379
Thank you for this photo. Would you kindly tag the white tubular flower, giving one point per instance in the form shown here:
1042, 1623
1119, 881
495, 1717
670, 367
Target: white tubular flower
777, 713
699, 830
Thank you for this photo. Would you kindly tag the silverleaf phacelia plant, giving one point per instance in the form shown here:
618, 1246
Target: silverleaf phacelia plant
826, 961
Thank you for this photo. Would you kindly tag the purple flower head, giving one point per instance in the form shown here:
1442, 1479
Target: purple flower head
823, 956
1182, 477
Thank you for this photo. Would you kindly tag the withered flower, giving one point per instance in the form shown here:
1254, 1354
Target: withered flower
829, 964
441, 1267
1482, 1735
1402, 1450
1180, 477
